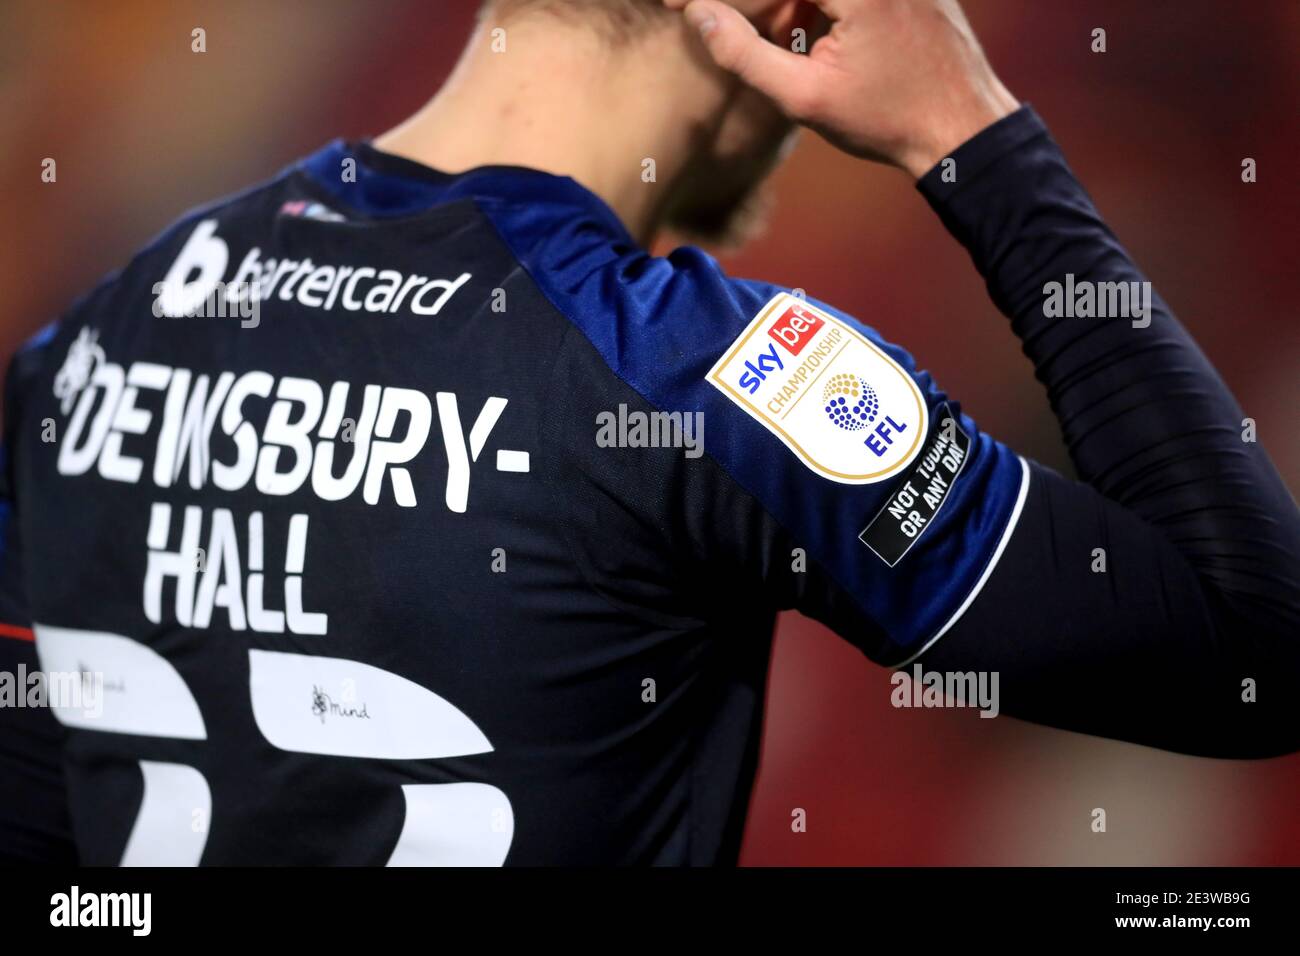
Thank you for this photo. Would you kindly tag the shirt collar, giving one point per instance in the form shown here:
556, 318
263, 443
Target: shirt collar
385, 185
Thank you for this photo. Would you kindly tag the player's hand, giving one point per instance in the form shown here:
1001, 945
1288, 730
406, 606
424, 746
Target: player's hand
898, 81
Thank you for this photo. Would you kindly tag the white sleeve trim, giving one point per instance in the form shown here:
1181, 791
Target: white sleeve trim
988, 568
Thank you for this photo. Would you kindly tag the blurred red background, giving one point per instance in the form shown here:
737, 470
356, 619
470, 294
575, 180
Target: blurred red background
1156, 127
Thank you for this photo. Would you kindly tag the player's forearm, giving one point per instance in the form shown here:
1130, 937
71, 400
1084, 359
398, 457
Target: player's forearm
1148, 421
1196, 592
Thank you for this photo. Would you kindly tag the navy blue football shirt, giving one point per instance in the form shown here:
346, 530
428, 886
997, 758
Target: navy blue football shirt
398, 517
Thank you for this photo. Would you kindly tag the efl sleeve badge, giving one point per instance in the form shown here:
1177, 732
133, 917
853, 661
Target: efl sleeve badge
836, 400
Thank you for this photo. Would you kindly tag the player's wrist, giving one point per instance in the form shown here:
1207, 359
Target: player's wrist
947, 132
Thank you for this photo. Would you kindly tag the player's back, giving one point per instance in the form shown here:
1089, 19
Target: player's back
315, 484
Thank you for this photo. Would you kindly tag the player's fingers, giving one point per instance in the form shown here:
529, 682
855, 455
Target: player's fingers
829, 7
736, 46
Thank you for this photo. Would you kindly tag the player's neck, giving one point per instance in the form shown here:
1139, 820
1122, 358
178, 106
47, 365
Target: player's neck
561, 100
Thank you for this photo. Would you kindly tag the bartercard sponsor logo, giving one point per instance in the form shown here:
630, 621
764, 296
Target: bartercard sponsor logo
867, 416
199, 273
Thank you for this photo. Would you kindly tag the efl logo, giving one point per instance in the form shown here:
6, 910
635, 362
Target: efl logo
795, 329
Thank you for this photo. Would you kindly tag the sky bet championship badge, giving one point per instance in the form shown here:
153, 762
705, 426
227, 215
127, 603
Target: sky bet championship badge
842, 405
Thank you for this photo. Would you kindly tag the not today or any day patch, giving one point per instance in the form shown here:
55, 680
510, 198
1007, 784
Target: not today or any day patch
916, 501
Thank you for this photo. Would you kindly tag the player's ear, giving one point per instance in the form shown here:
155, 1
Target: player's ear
779, 20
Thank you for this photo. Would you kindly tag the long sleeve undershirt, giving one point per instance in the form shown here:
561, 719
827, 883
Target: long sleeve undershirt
1201, 539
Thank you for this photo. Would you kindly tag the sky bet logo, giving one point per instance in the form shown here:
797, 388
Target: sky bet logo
795, 329
757, 370
834, 396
